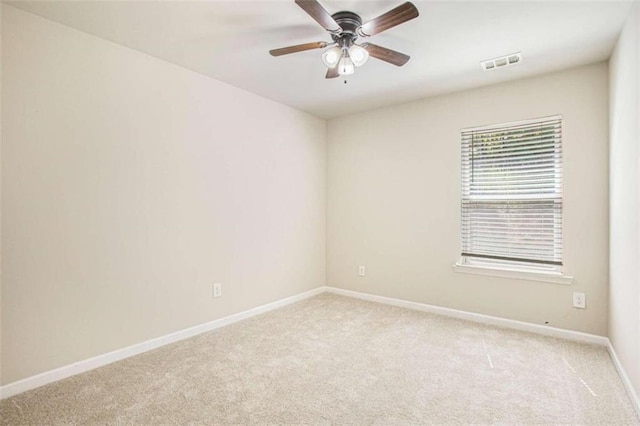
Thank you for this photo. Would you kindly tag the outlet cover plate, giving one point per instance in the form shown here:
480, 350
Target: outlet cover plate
217, 290
579, 300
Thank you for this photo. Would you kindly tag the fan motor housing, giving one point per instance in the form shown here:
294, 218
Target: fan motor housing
349, 22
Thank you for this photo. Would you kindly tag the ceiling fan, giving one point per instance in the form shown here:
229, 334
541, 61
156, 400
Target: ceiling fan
345, 28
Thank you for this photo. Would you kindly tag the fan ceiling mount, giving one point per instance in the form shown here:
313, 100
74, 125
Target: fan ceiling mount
345, 28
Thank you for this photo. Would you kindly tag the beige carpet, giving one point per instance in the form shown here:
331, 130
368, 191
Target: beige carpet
337, 360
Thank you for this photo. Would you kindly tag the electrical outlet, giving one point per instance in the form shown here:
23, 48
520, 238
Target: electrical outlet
361, 270
579, 300
217, 290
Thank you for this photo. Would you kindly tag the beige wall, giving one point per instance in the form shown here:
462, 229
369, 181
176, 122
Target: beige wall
624, 294
393, 198
130, 186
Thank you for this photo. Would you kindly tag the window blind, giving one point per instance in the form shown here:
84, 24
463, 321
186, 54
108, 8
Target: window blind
512, 192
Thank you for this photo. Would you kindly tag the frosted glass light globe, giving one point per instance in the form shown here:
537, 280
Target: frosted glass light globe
358, 55
345, 67
331, 57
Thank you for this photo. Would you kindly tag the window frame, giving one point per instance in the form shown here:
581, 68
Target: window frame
510, 268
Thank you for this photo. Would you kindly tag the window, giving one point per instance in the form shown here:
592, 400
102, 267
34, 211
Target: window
512, 196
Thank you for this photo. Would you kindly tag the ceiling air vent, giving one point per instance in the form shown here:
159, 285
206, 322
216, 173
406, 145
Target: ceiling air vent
502, 61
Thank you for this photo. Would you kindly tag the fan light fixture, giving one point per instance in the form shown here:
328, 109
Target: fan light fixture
345, 59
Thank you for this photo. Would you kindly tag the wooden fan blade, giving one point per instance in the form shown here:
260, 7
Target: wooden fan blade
322, 17
403, 13
332, 72
387, 55
298, 48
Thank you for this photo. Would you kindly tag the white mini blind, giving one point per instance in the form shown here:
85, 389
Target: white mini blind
512, 192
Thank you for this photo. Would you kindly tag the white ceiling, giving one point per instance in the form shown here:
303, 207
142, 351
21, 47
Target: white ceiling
230, 40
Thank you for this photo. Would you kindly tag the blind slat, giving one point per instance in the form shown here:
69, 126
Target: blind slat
512, 192
551, 122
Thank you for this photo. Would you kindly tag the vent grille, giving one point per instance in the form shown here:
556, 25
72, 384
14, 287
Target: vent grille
502, 61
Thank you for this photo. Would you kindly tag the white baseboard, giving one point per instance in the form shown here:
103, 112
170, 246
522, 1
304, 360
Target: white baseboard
470, 316
47, 377
507, 323
633, 395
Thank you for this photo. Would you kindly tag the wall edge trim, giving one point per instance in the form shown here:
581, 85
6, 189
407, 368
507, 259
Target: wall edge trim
475, 317
633, 395
41, 379
506, 323
44, 378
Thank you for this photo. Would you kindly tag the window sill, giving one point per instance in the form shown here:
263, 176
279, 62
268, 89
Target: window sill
548, 277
